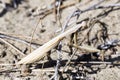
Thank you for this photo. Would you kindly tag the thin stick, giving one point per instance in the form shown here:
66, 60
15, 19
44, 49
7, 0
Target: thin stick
10, 70
97, 62
12, 46
5, 64
17, 39
49, 11
34, 33
58, 61
108, 6
60, 43
45, 70
80, 12
14, 35
68, 62
86, 48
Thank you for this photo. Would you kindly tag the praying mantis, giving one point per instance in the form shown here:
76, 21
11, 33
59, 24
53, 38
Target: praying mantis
42, 50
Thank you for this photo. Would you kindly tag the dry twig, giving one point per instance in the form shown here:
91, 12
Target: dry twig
12, 46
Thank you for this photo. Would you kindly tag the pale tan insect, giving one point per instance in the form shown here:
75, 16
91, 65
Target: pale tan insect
42, 51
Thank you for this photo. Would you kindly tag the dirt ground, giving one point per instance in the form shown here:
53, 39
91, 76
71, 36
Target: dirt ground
19, 26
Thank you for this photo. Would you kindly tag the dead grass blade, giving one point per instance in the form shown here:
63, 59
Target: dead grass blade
42, 51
